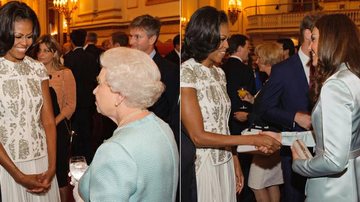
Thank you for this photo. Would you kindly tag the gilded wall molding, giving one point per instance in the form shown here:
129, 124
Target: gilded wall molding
152, 2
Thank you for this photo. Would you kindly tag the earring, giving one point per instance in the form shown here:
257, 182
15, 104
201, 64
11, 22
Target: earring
116, 104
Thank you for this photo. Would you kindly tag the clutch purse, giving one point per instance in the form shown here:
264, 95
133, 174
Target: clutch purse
248, 148
301, 149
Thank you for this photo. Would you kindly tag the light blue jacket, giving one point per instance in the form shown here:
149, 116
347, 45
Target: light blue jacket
334, 172
139, 162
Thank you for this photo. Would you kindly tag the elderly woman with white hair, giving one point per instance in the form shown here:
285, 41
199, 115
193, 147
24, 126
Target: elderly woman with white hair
140, 161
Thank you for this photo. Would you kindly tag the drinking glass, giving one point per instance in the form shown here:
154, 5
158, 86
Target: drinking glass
242, 93
77, 166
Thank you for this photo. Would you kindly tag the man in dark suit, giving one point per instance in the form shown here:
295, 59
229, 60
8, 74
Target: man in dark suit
239, 75
188, 174
103, 127
174, 55
286, 105
83, 66
144, 32
90, 47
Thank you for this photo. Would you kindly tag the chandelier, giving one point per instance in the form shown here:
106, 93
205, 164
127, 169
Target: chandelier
234, 10
66, 7
183, 21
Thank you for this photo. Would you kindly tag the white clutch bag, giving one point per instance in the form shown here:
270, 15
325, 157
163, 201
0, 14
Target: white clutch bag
301, 149
248, 148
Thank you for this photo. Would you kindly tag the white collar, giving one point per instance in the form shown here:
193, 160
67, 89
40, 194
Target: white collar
152, 54
87, 44
304, 60
303, 57
77, 47
177, 52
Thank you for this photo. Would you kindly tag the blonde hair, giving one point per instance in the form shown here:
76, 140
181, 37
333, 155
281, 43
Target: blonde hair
133, 74
269, 53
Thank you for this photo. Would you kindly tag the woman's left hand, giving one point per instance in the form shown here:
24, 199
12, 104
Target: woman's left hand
295, 155
46, 179
238, 174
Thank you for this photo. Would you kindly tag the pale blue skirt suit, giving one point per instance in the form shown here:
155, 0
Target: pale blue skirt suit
140, 162
334, 172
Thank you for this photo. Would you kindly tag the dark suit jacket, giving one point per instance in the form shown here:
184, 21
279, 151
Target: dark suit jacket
83, 66
188, 175
173, 57
93, 49
170, 76
96, 52
238, 75
286, 93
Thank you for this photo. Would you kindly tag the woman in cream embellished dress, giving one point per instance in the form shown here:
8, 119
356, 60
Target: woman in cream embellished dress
215, 108
205, 108
27, 124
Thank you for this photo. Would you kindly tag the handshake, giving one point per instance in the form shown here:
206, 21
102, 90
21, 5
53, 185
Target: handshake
263, 143
293, 139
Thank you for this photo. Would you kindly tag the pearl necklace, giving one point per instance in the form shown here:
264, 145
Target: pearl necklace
129, 116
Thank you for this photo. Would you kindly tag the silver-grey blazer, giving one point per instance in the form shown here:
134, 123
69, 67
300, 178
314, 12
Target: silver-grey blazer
334, 172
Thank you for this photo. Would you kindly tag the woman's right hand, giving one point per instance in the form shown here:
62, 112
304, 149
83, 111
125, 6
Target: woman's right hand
32, 183
266, 144
275, 135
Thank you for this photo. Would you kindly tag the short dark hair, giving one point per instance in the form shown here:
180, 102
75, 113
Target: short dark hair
202, 34
176, 40
287, 44
150, 24
78, 37
10, 13
121, 38
235, 41
308, 22
92, 36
